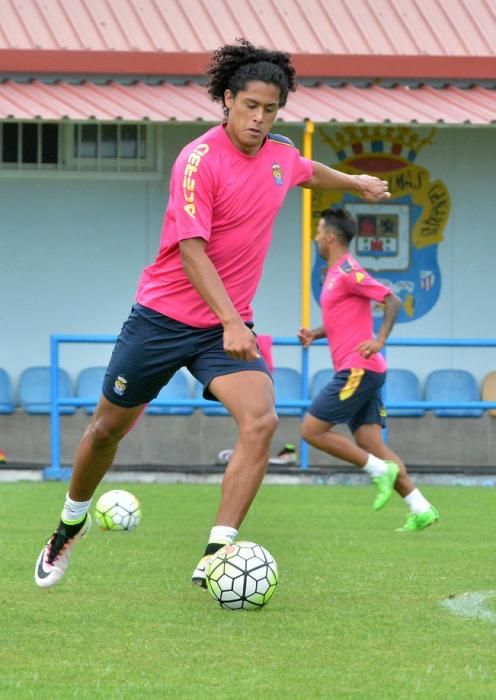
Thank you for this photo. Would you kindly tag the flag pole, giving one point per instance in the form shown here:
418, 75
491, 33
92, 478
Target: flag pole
306, 264
306, 240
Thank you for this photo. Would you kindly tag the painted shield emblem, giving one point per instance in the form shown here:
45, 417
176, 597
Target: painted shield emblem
397, 240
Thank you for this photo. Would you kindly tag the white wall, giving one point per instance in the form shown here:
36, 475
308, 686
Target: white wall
467, 257
72, 249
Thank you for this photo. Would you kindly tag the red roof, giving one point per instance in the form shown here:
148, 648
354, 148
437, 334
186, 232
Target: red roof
371, 27
167, 101
420, 39
374, 38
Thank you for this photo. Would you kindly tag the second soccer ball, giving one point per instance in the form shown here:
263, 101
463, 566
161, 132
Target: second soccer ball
118, 510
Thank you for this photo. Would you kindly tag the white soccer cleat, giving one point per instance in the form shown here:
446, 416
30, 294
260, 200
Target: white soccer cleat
199, 576
54, 557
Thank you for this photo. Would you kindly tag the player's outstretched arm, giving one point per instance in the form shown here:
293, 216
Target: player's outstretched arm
370, 188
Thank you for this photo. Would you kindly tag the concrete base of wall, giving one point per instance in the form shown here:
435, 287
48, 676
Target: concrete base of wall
196, 440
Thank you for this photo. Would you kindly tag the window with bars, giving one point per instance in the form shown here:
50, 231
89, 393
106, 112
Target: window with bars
29, 144
116, 147
89, 147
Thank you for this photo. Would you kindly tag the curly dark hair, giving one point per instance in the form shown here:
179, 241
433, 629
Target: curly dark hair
232, 66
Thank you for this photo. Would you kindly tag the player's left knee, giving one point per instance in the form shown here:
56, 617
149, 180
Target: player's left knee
269, 423
260, 427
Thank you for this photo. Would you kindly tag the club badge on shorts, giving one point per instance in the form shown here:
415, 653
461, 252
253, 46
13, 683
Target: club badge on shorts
120, 385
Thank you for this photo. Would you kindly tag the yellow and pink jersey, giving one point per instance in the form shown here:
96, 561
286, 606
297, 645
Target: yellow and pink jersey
231, 200
346, 313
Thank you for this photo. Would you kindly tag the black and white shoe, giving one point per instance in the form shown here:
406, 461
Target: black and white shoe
54, 557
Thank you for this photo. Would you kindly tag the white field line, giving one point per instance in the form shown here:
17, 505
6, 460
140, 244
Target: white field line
471, 605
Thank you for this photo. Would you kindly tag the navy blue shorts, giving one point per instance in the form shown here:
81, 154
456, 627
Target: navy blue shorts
353, 397
151, 347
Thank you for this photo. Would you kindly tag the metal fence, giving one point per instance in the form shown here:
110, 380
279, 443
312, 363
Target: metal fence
56, 471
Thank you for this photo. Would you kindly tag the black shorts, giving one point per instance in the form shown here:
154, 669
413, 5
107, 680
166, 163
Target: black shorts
353, 397
151, 347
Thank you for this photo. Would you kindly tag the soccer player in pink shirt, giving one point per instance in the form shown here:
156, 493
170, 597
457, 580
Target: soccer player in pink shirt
193, 306
354, 394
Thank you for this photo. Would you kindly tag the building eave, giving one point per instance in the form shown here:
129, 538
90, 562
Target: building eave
307, 65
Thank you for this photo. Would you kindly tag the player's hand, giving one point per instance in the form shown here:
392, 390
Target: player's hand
305, 336
239, 341
372, 189
368, 347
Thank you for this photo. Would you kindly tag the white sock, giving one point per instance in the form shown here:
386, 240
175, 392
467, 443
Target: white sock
74, 511
375, 466
416, 502
222, 534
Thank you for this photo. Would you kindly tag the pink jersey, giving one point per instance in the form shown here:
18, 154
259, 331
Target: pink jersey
231, 200
345, 300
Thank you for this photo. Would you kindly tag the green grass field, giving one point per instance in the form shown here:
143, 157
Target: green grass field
357, 613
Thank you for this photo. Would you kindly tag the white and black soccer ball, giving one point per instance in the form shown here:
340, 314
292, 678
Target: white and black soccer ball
242, 576
118, 510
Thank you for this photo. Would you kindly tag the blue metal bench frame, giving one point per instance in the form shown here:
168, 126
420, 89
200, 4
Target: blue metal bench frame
56, 471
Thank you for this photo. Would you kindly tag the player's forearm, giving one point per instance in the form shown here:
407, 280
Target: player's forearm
392, 305
202, 274
369, 187
325, 178
319, 333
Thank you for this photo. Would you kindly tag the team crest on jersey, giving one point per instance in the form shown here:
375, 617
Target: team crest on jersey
120, 385
277, 173
346, 267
